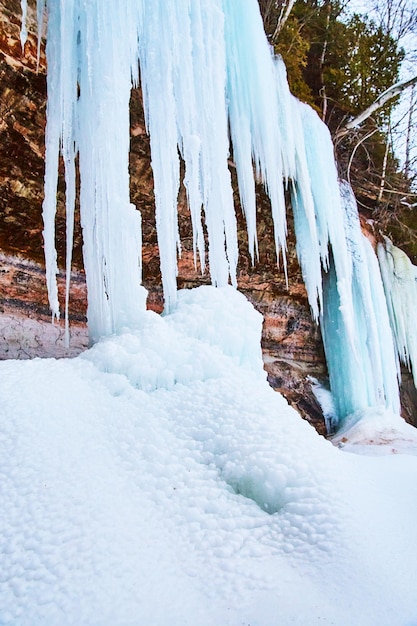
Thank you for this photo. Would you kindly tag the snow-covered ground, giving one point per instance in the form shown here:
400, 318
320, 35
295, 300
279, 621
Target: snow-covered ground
157, 480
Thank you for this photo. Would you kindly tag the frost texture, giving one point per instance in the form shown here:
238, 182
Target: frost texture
201, 80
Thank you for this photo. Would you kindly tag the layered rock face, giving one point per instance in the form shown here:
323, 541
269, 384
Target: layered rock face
22, 120
291, 341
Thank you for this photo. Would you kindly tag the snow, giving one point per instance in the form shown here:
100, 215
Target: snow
376, 431
157, 479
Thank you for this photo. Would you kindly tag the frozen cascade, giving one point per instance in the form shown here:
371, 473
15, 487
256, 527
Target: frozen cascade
182, 56
363, 373
361, 360
319, 212
199, 79
254, 113
399, 276
91, 52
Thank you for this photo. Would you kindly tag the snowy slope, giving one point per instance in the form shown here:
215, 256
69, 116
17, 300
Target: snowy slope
157, 480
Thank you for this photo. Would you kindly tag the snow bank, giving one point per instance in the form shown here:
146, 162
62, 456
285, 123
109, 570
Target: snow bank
196, 498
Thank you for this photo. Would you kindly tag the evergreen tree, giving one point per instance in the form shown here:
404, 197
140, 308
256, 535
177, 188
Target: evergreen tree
341, 64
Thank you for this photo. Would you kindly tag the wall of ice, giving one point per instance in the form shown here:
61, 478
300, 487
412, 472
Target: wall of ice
399, 276
361, 357
212, 90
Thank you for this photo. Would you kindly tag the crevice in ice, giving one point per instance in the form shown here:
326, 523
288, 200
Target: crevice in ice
264, 494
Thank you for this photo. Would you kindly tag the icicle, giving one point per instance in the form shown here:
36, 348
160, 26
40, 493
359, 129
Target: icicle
188, 66
368, 377
253, 113
88, 108
52, 141
68, 80
400, 285
23, 28
111, 249
40, 13
307, 240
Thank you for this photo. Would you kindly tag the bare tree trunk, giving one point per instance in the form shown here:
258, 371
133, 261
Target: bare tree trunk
384, 164
285, 13
322, 60
408, 137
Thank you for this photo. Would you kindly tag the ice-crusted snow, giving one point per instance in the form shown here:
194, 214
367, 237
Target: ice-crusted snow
158, 479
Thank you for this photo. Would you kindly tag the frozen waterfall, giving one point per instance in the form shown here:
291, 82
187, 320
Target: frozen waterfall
210, 84
361, 357
400, 283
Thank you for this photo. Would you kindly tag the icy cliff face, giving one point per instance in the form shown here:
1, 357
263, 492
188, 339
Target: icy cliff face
291, 340
400, 283
198, 80
362, 362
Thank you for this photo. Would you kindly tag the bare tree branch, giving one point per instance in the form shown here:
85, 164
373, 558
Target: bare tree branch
387, 95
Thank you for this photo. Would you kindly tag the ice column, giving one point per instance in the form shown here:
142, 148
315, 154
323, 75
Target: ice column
363, 372
400, 283
91, 52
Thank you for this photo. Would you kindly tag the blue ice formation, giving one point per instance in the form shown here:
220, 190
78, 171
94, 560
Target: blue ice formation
209, 81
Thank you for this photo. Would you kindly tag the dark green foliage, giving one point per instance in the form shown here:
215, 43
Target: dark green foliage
349, 62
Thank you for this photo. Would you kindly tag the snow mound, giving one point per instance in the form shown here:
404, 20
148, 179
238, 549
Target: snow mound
376, 431
132, 497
